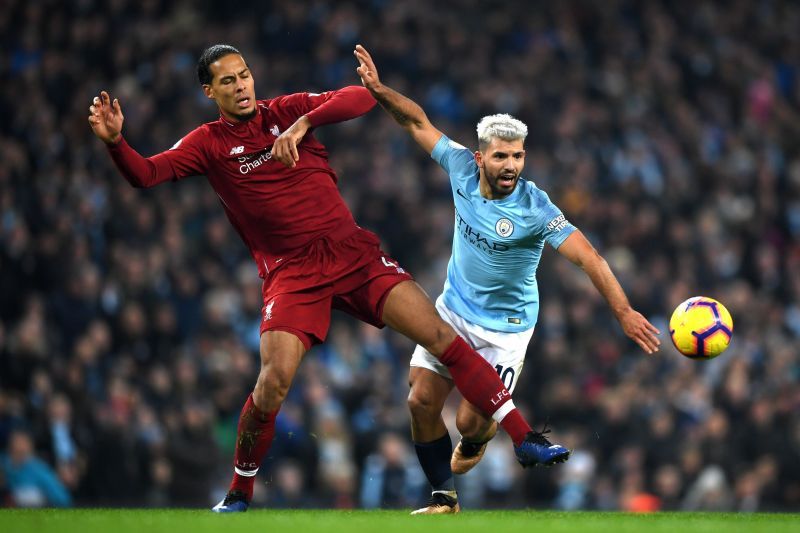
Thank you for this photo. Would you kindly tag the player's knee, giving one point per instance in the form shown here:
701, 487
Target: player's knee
442, 337
421, 404
476, 428
271, 389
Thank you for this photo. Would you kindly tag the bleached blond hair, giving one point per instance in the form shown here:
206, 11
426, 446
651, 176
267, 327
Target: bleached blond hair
502, 126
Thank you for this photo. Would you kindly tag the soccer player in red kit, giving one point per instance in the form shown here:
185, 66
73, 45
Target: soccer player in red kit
277, 189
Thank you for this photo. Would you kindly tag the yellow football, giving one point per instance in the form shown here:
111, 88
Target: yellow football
701, 328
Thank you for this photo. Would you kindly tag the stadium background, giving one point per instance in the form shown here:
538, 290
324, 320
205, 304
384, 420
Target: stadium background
667, 131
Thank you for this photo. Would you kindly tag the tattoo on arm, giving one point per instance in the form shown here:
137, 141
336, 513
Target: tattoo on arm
401, 117
403, 110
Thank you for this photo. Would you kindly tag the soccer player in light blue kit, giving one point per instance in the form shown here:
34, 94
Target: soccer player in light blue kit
490, 296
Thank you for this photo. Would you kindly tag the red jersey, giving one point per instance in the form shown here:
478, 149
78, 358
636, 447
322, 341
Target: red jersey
276, 210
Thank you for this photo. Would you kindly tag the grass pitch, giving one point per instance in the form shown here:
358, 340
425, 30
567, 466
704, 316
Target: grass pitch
200, 521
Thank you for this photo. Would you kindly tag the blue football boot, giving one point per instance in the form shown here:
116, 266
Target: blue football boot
234, 502
536, 450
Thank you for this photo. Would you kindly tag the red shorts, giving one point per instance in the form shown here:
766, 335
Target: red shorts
347, 272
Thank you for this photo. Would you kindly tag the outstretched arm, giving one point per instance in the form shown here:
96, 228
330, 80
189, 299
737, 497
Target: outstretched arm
105, 119
405, 111
580, 251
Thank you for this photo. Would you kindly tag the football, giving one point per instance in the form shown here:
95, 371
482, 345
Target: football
701, 328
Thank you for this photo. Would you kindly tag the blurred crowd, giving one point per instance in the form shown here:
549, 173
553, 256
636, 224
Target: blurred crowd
668, 131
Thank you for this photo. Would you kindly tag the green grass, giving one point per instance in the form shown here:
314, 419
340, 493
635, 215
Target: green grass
271, 521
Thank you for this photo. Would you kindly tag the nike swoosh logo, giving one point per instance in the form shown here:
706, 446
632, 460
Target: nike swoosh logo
461, 194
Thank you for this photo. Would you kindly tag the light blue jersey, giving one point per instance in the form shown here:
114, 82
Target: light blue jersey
497, 245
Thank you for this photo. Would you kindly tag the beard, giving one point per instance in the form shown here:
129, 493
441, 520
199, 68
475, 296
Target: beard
246, 116
501, 190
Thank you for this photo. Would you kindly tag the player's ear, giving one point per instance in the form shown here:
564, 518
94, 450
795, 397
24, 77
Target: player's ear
208, 90
478, 158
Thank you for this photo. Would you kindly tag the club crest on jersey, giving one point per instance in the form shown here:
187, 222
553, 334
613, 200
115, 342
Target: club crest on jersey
268, 310
274, 130
504, 227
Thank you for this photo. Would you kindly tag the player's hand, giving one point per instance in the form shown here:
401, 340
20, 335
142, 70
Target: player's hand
105, 118
640, 330
285, 147
366, 68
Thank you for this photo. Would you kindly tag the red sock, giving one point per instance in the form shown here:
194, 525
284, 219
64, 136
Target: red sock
481, 386
253, 439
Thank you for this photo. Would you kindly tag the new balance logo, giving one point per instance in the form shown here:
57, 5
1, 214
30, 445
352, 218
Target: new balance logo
236, 150
274, 130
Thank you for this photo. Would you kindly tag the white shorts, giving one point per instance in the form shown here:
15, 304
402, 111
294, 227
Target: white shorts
504, 351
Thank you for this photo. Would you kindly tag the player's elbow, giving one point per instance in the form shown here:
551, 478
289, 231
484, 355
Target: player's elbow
414, 131
422, 122
138, 182
362, 95
591, 260
142, 184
